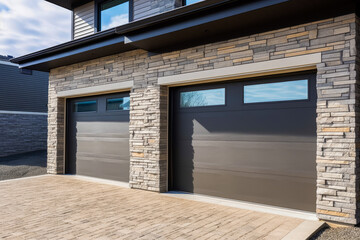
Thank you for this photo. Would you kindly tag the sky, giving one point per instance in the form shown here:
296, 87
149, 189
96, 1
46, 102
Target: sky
27, 26
115, 16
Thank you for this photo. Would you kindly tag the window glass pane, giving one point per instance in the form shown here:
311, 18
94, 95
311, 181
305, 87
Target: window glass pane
274, 92
188, 2
88, 106
114, 13
118, 103
211, 97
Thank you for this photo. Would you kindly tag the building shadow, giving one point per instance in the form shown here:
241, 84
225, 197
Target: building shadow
34, 158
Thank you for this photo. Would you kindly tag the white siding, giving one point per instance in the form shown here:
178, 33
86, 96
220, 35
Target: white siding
84, 20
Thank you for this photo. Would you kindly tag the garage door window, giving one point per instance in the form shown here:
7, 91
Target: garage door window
211, 97
275, 92
117, 104
86, 106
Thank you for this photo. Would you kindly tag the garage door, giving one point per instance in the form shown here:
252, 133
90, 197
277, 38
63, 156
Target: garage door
98, 137
248, 140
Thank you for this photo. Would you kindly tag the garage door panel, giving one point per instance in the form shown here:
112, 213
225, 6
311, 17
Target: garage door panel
270, 156
233, 136
295, 192
272, 124
263, 152
98, 141
110, 168
103, 135
99, 128
102, 157
116, 146
260, 188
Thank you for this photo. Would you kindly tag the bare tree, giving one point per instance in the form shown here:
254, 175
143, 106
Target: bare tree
191, 99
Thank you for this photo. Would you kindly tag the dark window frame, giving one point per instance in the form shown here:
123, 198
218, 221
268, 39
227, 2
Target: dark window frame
112, 110
97, 13
74, 109
239, 105
276, 81
203, 87
184, 2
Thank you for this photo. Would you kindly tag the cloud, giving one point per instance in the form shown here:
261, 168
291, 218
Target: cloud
117, 21
28, 26
3, 7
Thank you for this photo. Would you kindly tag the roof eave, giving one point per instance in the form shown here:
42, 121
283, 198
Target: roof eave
69, 4
139, 25
185, 26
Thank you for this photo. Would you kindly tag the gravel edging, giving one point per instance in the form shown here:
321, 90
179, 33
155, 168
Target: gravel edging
340, 233
23, 165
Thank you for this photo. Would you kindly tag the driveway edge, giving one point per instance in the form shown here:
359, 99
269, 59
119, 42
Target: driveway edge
305, 230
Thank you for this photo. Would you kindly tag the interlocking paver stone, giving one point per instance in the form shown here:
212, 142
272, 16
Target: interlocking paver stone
62, 207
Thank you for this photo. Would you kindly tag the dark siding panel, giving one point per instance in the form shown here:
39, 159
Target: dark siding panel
21, 92
20, 133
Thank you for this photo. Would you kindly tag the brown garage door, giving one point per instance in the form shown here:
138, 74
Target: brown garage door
98, 137
248, 140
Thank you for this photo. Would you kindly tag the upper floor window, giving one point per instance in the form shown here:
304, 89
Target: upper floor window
188, 2
113, 13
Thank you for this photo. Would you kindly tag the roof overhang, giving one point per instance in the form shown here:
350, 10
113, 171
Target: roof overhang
8, 63
79, 54
233, 20
205, 22
69, 4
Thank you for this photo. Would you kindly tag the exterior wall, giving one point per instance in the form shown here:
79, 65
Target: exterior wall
22, 133
84, 20
84, 16
113, 69
148, 138
147, 8
337, 150
22, 92
337, 87
357, 114
23, 107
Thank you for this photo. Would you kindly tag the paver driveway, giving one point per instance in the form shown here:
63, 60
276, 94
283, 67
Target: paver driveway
61, 207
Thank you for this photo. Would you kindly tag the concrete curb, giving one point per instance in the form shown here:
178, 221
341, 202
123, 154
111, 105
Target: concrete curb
305, 230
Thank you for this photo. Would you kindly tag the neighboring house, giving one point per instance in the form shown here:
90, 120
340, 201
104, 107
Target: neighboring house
23, 109
250, 100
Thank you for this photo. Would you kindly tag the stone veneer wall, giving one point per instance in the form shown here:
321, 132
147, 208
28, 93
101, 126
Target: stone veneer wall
20, 133
148, 138
337, 87
357, 114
